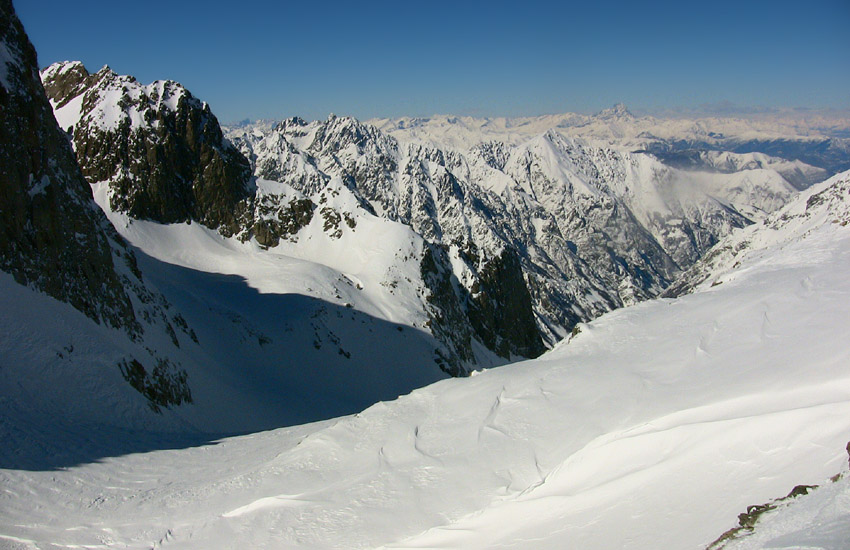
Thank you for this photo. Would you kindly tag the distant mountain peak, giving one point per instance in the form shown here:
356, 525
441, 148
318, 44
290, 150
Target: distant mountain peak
619, 110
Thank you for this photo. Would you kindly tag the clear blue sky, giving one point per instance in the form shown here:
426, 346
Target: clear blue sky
271, 59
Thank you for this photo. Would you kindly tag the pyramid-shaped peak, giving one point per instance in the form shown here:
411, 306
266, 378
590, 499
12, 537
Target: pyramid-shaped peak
619, 110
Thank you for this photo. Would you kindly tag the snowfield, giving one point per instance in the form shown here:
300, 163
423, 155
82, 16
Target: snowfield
652, 427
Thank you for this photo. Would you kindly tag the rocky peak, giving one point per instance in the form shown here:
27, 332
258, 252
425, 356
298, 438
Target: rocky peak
65, 81
339, 133
161, 149
291, 124
495, 154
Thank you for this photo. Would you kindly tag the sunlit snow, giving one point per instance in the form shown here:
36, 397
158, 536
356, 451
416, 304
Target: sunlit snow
653, 427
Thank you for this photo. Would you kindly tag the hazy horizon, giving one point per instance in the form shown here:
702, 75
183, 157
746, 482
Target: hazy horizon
265, 59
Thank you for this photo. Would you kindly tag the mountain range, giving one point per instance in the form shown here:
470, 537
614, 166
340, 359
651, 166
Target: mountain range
504, 247
486, 254
167, 281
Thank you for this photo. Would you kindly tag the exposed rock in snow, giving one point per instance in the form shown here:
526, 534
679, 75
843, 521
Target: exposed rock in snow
811, 517
160, 148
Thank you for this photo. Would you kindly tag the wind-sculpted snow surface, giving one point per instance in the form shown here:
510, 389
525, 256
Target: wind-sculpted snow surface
650, 428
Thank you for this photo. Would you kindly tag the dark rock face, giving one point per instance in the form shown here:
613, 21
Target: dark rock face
164, 386
275, 221
447, 319
67, 85
161, 149
500, 308
53, 237
497, 311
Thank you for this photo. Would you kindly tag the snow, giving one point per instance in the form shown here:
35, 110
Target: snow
651, 428
283, 337
59, 68
119, 98
69, 114
753, 245
261, 361
46, 340
39, 187
374, 254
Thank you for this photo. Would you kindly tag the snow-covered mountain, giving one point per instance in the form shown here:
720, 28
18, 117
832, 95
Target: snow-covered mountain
496, 252
823, 206
821, 142
128, 136
203, 282
594, 228
518, 243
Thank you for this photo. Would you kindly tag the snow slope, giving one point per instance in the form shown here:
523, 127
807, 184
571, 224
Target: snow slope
354, 268
278, 338
270, 337
819, 520
651, 428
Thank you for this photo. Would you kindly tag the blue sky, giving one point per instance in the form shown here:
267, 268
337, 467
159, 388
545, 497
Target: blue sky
268, 59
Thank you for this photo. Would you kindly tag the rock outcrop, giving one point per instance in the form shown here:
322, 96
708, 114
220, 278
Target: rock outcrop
161, 149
